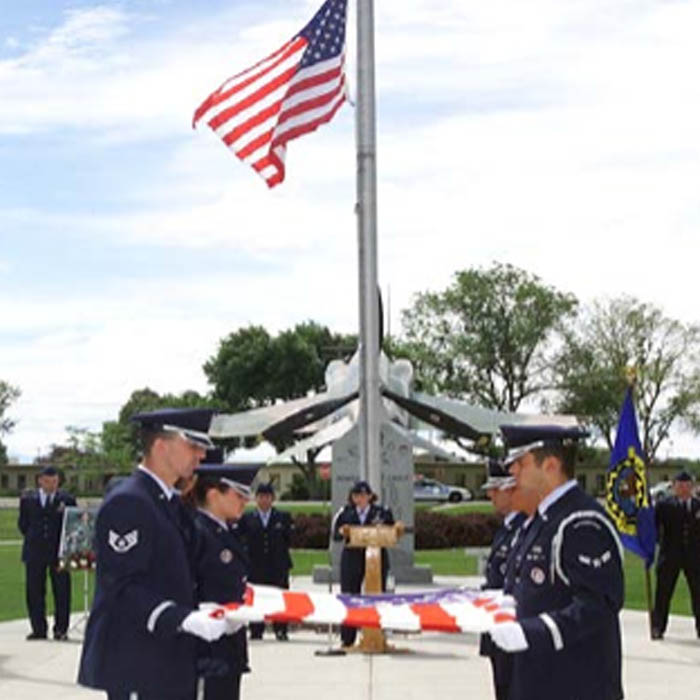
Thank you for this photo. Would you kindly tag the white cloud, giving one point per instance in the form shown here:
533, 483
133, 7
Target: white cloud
560, 137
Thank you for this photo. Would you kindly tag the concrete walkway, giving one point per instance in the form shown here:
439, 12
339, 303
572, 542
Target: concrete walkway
436, 665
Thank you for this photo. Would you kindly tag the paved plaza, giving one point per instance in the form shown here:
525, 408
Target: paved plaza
441, 666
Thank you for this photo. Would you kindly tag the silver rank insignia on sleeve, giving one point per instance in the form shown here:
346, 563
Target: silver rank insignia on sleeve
123, 543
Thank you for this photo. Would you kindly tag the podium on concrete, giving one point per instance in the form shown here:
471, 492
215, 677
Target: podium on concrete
372, 538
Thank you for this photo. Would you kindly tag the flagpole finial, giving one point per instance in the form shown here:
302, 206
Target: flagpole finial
631, 375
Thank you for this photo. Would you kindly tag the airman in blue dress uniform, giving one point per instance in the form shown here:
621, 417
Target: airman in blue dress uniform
360, 510
499, 488
267, 533
566, 576
140, 640
220, 494
40, 520
678, 528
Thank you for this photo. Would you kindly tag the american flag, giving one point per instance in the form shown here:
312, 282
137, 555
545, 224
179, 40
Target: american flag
453, 610
290, 93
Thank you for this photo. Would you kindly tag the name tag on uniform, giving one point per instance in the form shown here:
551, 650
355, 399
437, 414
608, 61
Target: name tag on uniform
123, 543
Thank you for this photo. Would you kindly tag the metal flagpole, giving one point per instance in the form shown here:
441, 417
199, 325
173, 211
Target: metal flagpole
366, 208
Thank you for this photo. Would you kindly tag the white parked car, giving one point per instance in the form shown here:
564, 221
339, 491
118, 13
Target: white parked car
431, 490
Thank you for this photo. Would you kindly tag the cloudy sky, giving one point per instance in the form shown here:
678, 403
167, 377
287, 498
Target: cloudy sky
561, 137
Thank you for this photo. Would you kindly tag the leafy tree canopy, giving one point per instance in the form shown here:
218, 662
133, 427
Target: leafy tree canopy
252, 368
8, 394
625, 333
487, 338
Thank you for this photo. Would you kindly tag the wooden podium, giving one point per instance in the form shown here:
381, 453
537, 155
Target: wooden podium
372, 538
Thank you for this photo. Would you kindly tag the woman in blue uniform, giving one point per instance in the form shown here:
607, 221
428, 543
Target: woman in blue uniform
219, 494
361, 509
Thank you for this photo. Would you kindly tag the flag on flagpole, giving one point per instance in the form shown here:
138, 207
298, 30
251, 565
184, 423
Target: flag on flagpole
290, 93
627, 488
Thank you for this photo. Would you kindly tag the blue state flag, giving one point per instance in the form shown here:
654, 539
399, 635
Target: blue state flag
627, 488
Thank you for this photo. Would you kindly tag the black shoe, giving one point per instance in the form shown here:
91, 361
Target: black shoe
281, 636
35, 635
60, 636
255, 637
657, 634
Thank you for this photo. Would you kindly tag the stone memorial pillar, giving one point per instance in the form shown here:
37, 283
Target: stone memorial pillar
396, 493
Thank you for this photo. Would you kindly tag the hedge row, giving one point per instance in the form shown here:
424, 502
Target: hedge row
432, 530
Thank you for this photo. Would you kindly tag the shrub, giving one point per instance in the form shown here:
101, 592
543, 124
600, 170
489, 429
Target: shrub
432, 530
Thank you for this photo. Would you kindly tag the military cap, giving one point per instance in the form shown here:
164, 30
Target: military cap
238, 476
49, 471
190, 423
521, 439
497, 475
266, 487
361, 487
683, 475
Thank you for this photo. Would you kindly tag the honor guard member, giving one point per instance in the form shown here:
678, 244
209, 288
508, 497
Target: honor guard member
140, 640
678, 528
361, 509
220, 494
40, 520
499, 488
566, 578
267, 533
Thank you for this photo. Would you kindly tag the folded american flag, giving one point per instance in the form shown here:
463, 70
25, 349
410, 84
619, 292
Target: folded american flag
446, 610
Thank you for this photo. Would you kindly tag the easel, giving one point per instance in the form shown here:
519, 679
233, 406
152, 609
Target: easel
372, 538
82, 620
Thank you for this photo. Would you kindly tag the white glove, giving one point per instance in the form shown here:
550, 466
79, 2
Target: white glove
232, 626
504, 600
201, 624
509, 636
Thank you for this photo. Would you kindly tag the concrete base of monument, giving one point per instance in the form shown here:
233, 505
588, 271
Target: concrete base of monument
417, 573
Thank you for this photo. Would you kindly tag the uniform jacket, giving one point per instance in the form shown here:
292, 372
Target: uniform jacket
268, 547
496, 567
678, 530
144, 590
352, 560
221, 573
41, 527
566, 575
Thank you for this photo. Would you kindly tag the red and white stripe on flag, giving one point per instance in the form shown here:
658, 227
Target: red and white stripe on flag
290, 93
449, 610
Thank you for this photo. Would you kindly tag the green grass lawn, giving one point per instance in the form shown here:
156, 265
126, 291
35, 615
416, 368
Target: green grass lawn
8, 524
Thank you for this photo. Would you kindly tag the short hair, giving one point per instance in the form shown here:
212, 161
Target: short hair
196, 495
147, 439
566, 454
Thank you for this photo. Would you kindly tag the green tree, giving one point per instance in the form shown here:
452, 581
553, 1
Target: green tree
488, 338
8, 394
252, 368
624, 333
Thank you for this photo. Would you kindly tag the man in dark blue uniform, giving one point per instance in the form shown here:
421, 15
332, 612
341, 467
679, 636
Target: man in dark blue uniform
678, 528
499, 488
361, 509
566, 577
40, 521
221, 565
140, 640
267, 533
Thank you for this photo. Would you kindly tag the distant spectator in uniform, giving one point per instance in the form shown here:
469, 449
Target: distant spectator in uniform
566, 577
40, 521
499, 488
678, 531
267, 533
220, 494
361, 509
141, 636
